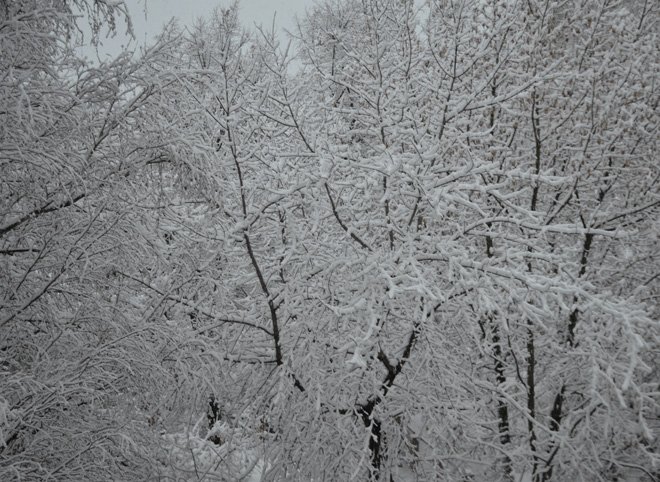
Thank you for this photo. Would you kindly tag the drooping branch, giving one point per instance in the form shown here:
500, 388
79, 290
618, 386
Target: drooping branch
49, 207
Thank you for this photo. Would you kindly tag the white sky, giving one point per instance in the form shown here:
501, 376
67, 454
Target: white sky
149, 16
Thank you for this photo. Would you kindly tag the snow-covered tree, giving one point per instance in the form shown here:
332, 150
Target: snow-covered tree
80, 352
429, 251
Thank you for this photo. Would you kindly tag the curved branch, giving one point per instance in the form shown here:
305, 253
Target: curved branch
341, 223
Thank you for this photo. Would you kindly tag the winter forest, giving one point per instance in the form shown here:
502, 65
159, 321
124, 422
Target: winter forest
412, 241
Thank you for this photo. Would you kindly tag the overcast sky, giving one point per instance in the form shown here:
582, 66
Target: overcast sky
149, 19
